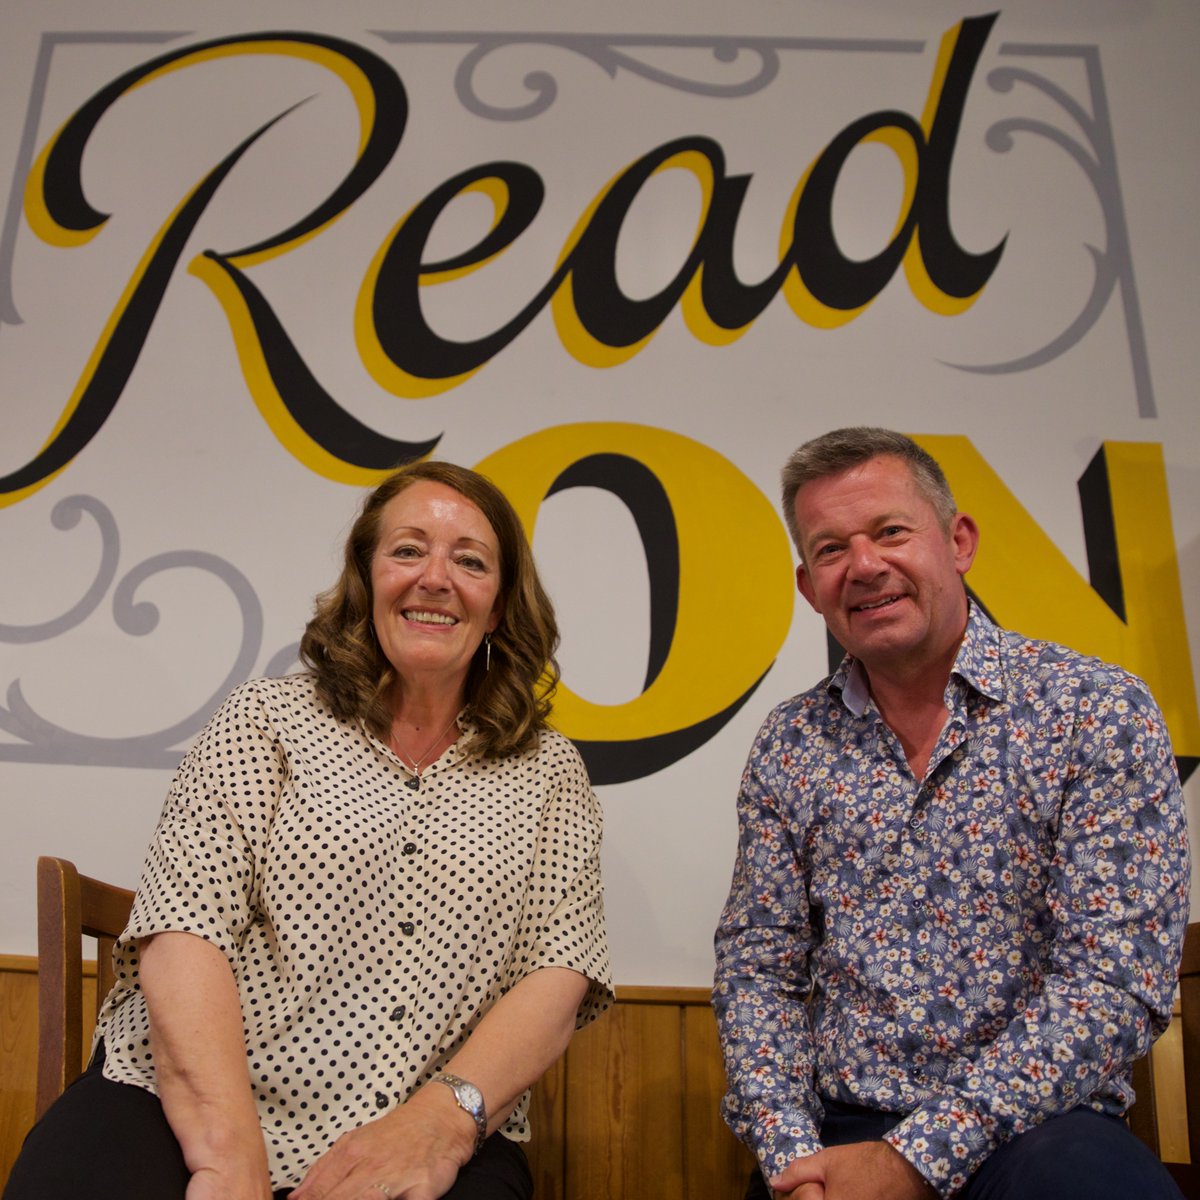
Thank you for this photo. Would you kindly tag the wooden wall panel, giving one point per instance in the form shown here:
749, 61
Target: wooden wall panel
18, 1048
18, 1062
630, 1112
548, 1120
624, 1121
1170, 1103
716, 1164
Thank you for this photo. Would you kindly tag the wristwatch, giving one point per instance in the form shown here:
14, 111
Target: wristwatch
470, 1100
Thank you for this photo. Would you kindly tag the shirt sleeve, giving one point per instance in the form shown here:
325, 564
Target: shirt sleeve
1118, 895
563, 920
201, 869
762, 982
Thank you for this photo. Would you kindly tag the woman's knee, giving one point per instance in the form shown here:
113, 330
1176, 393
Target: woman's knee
499, 1172
120, 1147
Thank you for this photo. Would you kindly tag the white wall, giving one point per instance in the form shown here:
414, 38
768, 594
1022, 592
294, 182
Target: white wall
186, 462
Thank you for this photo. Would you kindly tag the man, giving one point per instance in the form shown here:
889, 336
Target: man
961, 884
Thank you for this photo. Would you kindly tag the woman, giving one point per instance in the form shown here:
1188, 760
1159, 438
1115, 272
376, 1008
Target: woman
375, 885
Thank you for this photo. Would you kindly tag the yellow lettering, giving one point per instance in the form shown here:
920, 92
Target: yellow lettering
728, 626
1028, 584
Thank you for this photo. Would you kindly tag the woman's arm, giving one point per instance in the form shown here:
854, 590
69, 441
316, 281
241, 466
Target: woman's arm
521, 1036
418, 1149
200, 1066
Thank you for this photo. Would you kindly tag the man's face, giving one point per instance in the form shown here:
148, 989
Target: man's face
879, 567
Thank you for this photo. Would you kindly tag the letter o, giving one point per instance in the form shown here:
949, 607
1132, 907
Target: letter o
732, 602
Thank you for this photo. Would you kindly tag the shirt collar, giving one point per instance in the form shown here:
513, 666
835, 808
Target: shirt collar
977, 664
978, 661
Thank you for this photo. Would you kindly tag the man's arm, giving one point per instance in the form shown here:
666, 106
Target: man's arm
1118, 894
762, 978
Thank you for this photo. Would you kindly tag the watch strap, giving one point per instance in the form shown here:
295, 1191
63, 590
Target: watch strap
470, 1099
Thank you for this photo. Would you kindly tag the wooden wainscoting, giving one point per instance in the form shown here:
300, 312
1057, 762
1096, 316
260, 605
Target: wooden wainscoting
629, 1112
18, 1048
631, 1108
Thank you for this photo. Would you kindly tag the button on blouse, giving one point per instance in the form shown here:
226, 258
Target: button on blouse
288, 841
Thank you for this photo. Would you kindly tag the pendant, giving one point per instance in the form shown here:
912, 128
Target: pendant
414, 782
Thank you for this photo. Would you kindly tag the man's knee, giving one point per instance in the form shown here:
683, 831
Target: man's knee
1081, 1155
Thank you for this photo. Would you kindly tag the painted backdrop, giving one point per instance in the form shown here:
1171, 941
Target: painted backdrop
622, 259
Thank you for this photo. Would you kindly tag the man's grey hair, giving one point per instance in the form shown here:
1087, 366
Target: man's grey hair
840, 449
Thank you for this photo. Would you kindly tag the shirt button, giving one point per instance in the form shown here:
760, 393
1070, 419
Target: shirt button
410, 848
381, 1101
407, 928
398, 1013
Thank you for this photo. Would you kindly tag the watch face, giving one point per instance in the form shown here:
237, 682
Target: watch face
471, 1095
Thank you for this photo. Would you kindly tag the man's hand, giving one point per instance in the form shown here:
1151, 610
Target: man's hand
860, 1171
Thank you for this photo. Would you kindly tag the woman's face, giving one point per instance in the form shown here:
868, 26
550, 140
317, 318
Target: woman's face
435, 579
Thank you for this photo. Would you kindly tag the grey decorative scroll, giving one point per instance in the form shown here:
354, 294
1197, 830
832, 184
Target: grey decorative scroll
42, 740
284, 661
66, 515
612, 53
1097, 160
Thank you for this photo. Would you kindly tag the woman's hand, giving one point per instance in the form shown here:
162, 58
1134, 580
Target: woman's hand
415, 1152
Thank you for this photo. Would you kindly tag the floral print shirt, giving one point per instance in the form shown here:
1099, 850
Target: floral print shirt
979, 949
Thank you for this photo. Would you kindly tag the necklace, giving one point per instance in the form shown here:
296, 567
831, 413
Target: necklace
417, 763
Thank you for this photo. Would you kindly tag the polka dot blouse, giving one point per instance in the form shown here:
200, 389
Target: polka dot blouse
369, 925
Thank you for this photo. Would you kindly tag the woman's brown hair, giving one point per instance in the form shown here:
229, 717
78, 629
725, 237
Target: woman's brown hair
510, 701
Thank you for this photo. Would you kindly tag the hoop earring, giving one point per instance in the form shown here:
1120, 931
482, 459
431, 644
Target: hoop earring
487, 652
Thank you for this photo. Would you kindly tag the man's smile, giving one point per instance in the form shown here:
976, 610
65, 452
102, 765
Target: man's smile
871, 605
